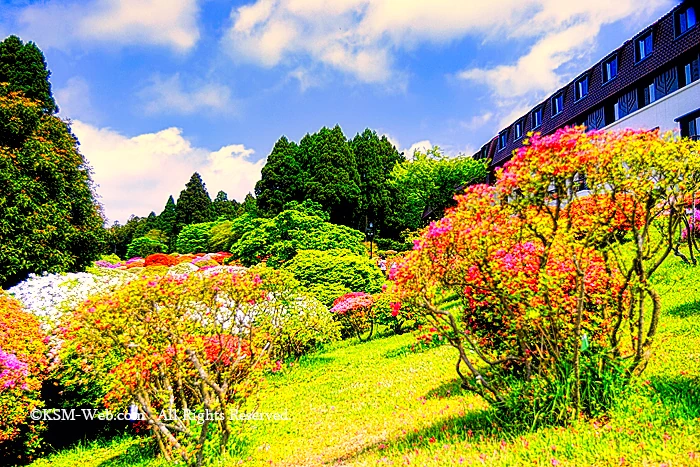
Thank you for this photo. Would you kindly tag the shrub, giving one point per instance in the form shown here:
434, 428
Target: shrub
337, 269
194, 238
544, 301
355, 311
183, 343
160, 259
23, 363
278, 240
144, 246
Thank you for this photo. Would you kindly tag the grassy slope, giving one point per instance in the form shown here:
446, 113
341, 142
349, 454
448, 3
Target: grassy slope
377, 404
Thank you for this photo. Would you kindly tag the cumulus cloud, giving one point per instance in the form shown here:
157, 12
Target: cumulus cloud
421, 146
135, 175
361, 37
170, 23
170, 95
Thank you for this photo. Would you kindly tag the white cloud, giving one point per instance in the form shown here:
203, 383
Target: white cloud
74, 101
135, 175
477, 121
421, 146
568, 31
361, 37
170, 23
170, 95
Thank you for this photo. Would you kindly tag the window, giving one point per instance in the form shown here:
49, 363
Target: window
643, 46
690, 125
616, 111
581, 88
557, 104
537, 117
685, 19
502, 139
649, 93
690, 72
609, 69
518, 130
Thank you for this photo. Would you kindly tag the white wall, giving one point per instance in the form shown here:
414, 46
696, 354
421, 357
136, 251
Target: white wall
663, 112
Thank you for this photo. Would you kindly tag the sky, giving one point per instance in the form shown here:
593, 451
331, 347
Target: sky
159, 89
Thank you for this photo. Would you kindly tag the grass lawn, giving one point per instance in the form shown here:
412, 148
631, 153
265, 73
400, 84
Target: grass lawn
378, 403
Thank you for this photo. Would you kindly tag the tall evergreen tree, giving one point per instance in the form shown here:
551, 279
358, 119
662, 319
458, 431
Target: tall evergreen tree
282, 178
332, 174
194, 204
167, 219
375, 159
23, 67
223, 207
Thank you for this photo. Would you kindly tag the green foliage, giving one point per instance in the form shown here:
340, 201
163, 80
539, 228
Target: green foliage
310, 207
167, 221
49, 219
300, 322
427, 183
277, 240
333, 180
144, 246
194, 238
194, 204
23, 67
223, 208
282, 178
335, 268
376, 158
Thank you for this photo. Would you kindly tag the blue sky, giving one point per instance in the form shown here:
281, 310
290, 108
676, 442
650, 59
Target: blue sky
157, 89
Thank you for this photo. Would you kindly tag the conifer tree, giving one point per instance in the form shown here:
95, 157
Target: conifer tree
23, 67
281, 180
194, 204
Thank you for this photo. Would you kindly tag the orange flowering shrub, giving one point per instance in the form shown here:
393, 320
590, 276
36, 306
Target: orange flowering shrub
23, 363
160, 259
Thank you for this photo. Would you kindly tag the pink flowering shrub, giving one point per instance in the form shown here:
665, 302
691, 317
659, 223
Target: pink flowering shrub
355, 312
23, 363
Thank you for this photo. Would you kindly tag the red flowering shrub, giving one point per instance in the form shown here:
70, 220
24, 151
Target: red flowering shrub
22, 370
619, 216
160, 259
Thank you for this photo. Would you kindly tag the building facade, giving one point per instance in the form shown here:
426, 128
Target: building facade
651, 81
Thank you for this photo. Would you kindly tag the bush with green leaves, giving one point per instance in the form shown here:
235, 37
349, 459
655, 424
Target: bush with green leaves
194, 238
144, 246
338, 269
278, 240
300, 321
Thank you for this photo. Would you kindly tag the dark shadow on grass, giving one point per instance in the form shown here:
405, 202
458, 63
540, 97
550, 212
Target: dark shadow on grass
477, 425
680, 395
686, 310
446, 389
134, 455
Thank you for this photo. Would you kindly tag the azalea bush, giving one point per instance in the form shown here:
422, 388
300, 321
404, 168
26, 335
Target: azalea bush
356, 313
552, 319
179, 344
23, 362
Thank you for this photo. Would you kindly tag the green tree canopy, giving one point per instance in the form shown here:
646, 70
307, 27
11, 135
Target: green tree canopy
278, 239
333, 180
223, 207
23, 67
376, 158
427, 183
282, 178
194, 204
49, 218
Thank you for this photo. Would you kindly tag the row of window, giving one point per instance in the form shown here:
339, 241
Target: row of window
684, 19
